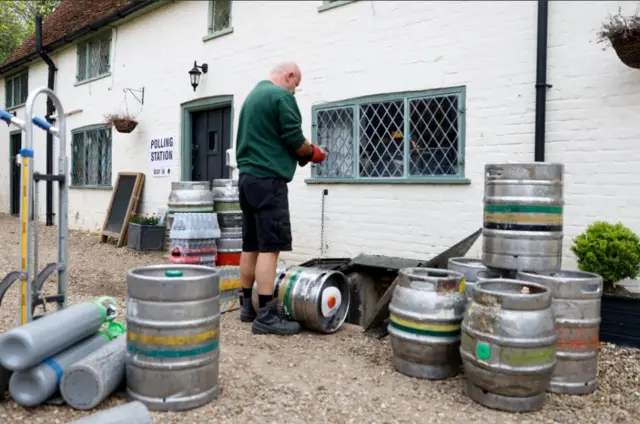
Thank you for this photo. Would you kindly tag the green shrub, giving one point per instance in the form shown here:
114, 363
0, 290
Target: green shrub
610, 250
144, 220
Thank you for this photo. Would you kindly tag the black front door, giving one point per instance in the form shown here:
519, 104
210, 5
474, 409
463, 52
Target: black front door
16, 145
210, 140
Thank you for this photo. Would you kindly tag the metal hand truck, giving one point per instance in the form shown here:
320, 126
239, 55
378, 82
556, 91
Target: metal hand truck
31, 279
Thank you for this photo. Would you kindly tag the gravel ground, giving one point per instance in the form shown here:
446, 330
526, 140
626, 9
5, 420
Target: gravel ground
308, 378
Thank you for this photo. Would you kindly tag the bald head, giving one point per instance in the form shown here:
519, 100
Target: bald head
286, 75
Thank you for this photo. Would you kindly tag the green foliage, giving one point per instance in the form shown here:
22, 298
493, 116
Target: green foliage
610, 250
144, 220
18, 21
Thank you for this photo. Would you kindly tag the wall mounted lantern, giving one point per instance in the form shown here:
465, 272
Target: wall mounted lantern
195, 73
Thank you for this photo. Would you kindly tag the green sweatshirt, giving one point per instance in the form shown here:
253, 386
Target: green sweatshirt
269, 133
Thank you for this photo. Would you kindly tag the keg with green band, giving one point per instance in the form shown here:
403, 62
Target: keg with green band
514, 217
284, 288
423, 328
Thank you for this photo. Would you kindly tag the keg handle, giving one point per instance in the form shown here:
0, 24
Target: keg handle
591, 288
494, 172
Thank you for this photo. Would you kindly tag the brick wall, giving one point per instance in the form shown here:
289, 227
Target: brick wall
377, 47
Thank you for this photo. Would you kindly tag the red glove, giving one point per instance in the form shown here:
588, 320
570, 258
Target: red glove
318, 155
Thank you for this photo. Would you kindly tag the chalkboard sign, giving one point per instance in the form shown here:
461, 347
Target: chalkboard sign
124, 203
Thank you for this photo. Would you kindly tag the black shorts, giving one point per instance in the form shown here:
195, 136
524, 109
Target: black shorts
266, 226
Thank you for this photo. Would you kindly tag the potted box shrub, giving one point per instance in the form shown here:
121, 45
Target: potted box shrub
613, 251
144, 233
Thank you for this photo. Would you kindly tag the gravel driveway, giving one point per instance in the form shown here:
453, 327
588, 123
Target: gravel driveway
308, 378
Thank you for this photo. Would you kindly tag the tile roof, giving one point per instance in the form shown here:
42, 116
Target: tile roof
69, 17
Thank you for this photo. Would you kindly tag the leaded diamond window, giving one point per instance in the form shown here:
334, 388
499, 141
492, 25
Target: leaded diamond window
411, 136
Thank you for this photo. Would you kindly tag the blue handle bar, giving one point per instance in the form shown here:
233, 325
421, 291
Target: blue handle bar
5, 116
41, 123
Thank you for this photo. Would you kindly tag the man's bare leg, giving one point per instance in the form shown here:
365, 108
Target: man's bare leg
247, 276
266, 275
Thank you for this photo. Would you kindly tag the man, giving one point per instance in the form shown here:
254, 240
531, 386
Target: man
269, 144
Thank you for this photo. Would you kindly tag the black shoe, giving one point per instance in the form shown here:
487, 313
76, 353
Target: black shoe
271, 320
247, 314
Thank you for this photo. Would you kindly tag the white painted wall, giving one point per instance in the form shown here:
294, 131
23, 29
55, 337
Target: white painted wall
377, 47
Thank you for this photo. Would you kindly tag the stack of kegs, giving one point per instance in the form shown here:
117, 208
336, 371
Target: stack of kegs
193, 239
523, 218
187, 197
226, 204
522, 247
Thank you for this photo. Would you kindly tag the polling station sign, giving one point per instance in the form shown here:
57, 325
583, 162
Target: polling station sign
161, 156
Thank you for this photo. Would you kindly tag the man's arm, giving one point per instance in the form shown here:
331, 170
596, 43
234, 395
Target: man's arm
291, 127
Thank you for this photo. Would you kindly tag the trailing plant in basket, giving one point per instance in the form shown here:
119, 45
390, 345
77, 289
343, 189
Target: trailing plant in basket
144, 220
123, 122
623, 34
610, 250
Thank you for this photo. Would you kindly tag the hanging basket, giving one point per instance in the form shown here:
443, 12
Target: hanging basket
628, 49
124, 125
623, 33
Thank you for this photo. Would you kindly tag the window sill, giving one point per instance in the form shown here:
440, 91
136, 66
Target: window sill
99, 77
400, 181
217, 34
16, 107
90, 187
329, 6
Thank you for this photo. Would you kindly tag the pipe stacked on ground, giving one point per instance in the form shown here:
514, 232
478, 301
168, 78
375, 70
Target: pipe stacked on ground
89, 381
129, 413
24, 347
34, 386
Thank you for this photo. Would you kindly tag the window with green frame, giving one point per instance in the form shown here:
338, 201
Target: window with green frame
94, 58
16, 90
219, 16
402, 136
91, 156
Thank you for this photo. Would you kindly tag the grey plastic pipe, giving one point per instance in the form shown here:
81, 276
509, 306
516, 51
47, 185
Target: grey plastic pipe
89, 381
24, 347
36, 385
129, 413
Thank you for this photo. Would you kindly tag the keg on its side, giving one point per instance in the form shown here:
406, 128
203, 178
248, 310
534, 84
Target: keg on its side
187, 197
508, 345
173, 326
576, 306
469, 267
424, 324
523, 216
316, 298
